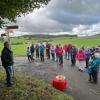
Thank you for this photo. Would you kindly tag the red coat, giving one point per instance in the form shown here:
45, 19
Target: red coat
47, 46
56, 50
65, 48
80, 55
69, 47
60, 52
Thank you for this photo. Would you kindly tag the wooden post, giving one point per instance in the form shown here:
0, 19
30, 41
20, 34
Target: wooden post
8, 37
8, 29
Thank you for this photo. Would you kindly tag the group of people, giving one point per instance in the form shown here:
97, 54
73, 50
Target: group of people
39, 52
88, 56
84, 56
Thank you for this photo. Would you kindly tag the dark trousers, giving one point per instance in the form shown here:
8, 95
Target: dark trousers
9, 74
95, 76
60, 60
90, 77
48, 53
29, 58
37, 54
53, 56
42, 56
87, 62
65, 54
73, 60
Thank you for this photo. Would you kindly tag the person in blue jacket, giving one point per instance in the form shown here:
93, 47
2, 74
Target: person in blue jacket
95, 68
42, 49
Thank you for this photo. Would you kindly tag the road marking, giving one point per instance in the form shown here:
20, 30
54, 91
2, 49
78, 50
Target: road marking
95, 92
70, 87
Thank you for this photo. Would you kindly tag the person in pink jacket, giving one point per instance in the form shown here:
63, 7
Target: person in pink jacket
81, 59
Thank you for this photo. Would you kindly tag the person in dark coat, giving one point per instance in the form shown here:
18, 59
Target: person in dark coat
7, 62
37, 51
29, 56
73, 53
32, 49
48, 50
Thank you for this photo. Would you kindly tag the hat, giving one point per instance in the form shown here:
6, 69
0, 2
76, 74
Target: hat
97, 55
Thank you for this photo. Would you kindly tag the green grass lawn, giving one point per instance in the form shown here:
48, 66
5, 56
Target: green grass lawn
20, 50
77, 41
28, 88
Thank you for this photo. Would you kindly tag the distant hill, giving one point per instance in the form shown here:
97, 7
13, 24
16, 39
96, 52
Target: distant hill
97, 35
47, 36
43, 36
94, 36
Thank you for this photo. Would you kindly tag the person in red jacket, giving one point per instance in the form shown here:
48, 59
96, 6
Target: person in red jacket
60, 54
81, 58
69, 47
65, 50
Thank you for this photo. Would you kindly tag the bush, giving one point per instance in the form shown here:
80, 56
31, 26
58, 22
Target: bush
28, 88
17, 43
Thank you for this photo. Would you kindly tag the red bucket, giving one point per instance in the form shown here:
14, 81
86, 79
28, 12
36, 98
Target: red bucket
58, 84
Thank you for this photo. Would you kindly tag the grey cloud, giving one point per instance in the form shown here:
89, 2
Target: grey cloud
61, 16
67, 18
75, 11
76, 6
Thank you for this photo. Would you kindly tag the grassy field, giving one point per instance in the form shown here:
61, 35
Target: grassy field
29, 88
24, 42
77, 41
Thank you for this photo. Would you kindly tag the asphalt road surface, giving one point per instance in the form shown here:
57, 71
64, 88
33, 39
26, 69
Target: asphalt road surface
77, 82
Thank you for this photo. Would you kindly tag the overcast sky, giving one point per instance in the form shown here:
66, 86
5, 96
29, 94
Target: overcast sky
63, 16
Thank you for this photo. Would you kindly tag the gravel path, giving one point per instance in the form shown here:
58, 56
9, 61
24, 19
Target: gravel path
78, 85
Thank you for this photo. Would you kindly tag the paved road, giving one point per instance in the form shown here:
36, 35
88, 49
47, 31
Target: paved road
78, 85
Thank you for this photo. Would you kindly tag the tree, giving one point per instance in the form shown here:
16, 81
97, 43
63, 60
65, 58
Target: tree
10, 9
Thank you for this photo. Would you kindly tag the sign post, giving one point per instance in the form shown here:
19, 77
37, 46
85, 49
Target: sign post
9, 30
